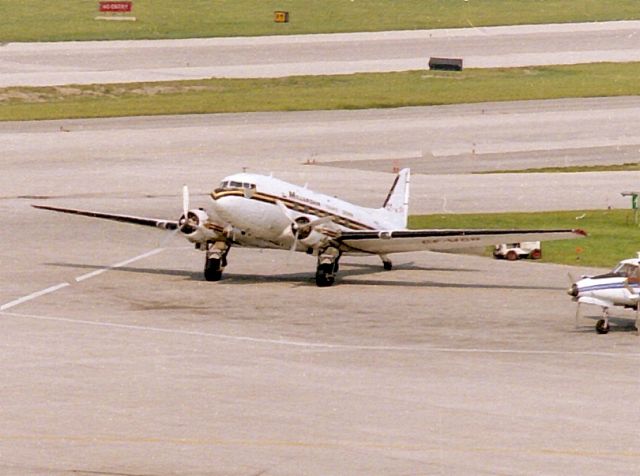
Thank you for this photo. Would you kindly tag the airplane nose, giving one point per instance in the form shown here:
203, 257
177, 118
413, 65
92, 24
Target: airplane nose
573, 290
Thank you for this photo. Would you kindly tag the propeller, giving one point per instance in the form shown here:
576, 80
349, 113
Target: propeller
301, 226
188, 222
578, 314
185, 200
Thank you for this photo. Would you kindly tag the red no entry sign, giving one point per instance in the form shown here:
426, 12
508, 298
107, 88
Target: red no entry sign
116, 7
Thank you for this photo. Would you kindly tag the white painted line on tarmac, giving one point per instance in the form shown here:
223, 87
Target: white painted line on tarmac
118, 265
321, 345
32, 296
79, 279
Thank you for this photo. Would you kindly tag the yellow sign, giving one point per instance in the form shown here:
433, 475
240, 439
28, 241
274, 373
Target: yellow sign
281, 17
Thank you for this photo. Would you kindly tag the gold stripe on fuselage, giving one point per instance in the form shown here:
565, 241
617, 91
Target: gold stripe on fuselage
291, 204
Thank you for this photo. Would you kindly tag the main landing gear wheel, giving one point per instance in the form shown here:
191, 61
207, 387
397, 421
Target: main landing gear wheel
327, 266
216, 260
511, 256
325, 275
212, 270
602, 326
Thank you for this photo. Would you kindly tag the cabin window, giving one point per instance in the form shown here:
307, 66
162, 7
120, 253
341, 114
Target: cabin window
626, 270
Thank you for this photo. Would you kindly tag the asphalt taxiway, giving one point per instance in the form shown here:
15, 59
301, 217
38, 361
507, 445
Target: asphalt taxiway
118, 358
59, 63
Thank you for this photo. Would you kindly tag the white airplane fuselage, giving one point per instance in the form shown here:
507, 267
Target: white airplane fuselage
612, 291
249, 203
619, 287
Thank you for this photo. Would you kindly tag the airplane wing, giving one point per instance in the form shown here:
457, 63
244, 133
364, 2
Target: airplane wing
595, 301
155, 222
398, 241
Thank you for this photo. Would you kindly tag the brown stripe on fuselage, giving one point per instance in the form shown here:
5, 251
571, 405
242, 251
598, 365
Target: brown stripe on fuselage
293, 205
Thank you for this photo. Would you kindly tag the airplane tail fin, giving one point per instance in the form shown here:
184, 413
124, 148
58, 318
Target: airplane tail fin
397, 203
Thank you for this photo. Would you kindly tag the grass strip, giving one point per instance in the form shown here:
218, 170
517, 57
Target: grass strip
36, 20
357, 91
627, 167
613, 235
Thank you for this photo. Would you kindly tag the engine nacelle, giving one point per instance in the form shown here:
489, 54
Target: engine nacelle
314, 239
194, 226
301, 236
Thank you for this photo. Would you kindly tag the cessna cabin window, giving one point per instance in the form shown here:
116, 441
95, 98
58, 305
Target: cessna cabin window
626, 270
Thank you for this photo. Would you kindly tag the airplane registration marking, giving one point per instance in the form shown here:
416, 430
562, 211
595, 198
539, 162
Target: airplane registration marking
78, 279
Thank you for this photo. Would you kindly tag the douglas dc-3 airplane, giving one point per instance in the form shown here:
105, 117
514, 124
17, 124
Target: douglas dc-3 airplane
258, 211
618, 287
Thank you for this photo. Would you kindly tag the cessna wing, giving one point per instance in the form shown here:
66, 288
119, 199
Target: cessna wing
596, 302
399, 241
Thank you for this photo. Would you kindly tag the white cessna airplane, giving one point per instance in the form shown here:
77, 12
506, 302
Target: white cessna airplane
618, 287
249, 210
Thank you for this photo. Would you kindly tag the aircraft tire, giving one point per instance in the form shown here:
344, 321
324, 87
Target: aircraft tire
324, 275
212, 270
601, 327
511, 256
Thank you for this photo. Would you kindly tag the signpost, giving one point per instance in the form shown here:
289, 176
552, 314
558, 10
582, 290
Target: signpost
634, 203
116, 10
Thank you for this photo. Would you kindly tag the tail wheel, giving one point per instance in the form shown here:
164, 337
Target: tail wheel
536, 254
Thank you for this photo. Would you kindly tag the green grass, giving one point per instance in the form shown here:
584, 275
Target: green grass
627, 167
38, 20
357, 91
613, 236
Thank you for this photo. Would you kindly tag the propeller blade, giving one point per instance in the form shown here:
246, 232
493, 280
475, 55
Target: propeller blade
169, 237
577, 314
294, 245
185, 200
285, 211
572, 279
318, 222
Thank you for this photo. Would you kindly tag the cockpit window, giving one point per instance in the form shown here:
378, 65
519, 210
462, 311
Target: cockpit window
233, 185
626, 270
